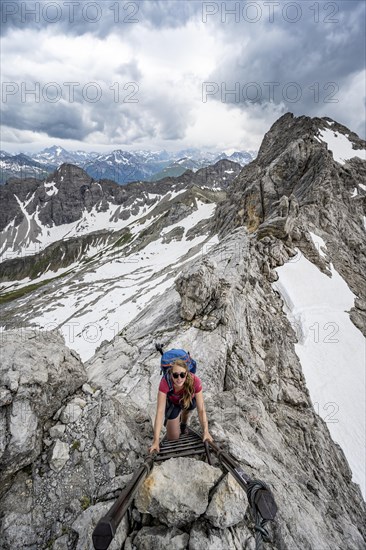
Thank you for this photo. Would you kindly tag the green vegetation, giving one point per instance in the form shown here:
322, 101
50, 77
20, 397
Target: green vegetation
51, 256
15, 294
124, 239
50, 542
85, 502
76, 445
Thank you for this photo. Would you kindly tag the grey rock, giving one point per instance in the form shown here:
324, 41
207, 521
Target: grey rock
203, 295
40, 372
57, 431
190, 497
93, 452
161, 537
84, 525
118, 482
79, 402
71, 413
60, 455
197, 299
5, 397
17, 527
61, 543
228, 505
203, 538
88, 389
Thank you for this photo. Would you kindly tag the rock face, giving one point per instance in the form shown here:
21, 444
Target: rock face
35, 378
295, 185
75, 191
32, 209
257, 404
62, 447
224, 310
202, 294
160, 537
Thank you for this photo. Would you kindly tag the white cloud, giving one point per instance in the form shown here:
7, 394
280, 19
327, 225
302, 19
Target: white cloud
220, 125
351, 106
169, 54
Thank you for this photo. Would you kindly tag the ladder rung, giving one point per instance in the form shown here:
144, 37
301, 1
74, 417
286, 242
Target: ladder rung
159, 457
182, 447
180, 442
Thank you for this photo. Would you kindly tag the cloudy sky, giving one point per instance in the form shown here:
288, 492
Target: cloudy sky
162, 74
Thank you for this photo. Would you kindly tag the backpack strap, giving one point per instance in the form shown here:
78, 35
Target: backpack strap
170, 405
170, 383
168, 379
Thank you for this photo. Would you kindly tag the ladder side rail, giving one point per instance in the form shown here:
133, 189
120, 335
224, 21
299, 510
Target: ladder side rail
106, 527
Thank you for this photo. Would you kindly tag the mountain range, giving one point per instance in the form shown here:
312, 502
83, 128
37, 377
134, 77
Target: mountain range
118, 165
258, 271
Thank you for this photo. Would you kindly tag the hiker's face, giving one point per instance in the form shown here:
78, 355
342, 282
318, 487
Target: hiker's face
177, 373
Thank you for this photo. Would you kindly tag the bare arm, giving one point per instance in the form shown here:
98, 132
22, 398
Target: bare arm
202, 416
160, 410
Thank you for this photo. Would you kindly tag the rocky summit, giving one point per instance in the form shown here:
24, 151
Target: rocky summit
259, 273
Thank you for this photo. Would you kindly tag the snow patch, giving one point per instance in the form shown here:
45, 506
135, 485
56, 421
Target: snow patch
114, 292
203, 212
37, 236
319, 244
50, 188
341, 146
318, 306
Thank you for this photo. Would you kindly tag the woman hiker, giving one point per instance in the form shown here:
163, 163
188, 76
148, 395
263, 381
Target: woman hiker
177, 406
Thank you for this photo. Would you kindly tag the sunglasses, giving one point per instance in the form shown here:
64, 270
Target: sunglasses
179, 374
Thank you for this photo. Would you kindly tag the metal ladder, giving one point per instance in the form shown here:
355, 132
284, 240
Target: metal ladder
187, 445
259, 495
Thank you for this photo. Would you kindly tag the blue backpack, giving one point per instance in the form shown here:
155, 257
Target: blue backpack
168, 358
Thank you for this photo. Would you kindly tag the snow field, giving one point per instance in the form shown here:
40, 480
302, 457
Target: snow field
332, 352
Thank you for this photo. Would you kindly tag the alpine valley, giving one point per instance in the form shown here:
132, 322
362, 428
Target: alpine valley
257, 267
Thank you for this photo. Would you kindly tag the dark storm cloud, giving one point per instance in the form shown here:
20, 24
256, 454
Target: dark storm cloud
99, 17
119, 114
307, 65
311, 65
59, 121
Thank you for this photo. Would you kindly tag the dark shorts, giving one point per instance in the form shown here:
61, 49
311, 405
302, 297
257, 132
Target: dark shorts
172, 410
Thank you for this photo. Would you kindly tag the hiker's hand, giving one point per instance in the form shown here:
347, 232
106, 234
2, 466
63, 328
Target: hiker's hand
207, 437
154, 447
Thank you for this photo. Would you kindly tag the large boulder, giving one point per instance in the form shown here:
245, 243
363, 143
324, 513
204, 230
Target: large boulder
228, 505
37, 372
177, 491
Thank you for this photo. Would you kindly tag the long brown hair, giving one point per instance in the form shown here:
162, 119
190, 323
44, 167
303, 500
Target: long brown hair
188, 386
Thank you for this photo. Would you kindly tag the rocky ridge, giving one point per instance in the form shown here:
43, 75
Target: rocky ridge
33, 208
294, 186
224, 309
